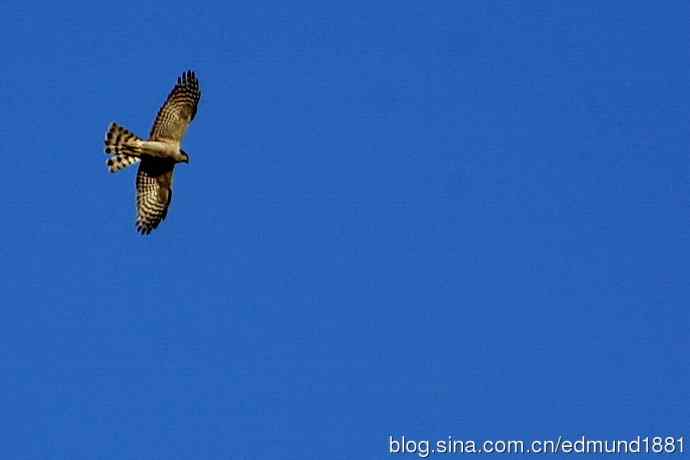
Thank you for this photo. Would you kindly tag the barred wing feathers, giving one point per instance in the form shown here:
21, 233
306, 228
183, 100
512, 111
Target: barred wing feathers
154, 192
178, 111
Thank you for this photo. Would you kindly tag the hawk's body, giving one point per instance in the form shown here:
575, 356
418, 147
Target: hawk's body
159, 154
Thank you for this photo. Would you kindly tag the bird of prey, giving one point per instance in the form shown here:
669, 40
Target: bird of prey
157, 155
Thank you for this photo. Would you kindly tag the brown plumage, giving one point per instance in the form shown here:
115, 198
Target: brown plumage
178, 111
158, 154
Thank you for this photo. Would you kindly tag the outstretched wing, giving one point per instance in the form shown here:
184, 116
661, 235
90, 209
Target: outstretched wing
179, 110
154, 192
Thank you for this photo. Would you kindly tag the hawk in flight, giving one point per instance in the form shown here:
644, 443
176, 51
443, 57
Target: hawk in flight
157, 155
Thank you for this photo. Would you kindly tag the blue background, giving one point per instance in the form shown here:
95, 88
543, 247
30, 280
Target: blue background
430, 219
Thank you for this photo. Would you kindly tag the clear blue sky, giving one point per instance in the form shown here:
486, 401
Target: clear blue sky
422, 219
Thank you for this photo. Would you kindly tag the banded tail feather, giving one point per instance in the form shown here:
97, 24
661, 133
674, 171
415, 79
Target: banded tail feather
119, 162
123, 146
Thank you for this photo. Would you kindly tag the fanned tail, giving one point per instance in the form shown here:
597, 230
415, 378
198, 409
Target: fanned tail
123, 146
